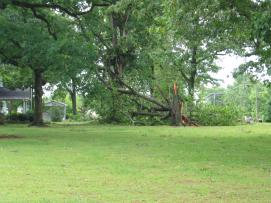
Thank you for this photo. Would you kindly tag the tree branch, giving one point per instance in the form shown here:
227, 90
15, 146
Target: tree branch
72, 13
131, 91
8, 60
163, 95
147, 114
50, 31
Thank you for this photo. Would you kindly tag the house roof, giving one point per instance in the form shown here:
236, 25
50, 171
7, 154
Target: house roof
7, 94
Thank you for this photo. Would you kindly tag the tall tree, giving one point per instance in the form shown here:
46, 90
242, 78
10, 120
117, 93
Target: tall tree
122, 42
26, 43
197, 33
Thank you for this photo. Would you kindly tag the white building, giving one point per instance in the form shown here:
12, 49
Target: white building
7, 96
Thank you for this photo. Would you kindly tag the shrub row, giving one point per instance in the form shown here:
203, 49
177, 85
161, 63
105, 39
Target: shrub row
20, 117
2, 119
215, 115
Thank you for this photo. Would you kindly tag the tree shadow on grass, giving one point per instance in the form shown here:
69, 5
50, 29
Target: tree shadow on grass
9, 137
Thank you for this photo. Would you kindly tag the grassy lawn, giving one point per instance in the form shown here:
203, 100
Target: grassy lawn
135, 164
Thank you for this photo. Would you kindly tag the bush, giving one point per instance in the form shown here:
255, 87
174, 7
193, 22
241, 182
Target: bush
21, 117
214, 115
76, 117
2, 119
30, 116
268, 113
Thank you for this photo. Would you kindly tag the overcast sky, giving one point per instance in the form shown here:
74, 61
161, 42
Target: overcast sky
228, 64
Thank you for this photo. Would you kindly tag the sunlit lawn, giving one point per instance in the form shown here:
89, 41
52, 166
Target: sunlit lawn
135, 164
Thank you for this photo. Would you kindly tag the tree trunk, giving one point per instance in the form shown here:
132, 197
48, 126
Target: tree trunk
73, 98
193, 74
74, 105
192, 79
152, 81
191, 94
176, 107
38, 78
116, 66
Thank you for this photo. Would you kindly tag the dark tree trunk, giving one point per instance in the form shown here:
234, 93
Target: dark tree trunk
194, 64
74, 105
116, 65
152, 81
38, 83
191, 88
191, 81
73, 98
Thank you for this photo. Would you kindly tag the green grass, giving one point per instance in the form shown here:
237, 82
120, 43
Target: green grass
135, 164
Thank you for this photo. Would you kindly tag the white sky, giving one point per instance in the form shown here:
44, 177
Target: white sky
228, 64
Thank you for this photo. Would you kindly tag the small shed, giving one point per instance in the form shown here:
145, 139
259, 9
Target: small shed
47, 115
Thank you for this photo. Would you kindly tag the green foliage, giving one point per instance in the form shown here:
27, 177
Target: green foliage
62, 95
21, 117
268, 112
2, 119
197, 32
77, 117
30, 116
113, 108
255, 40
217, 115
14, 77
251, 97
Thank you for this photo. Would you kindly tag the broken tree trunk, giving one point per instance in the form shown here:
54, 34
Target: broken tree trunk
176, 107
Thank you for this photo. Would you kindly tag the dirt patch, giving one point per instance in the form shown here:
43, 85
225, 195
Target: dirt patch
7, 137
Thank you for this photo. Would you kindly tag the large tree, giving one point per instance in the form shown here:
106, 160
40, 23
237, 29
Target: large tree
197, 33
27, 44
123, 38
